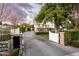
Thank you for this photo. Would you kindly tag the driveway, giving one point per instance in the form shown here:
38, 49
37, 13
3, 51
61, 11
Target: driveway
35, 47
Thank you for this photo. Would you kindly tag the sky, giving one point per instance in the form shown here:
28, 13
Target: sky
25, 11
36, 8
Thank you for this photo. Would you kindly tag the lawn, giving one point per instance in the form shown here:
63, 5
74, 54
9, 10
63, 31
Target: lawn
44, 36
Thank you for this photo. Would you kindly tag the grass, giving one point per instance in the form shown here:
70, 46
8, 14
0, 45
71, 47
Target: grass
15, 52
44, 36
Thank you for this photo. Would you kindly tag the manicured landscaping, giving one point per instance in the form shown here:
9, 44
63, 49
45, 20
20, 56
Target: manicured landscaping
15, 52
72, 37
22, 28
5, 37
43, 36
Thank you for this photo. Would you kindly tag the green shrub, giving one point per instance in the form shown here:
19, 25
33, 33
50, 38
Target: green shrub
72, 37
15, 52
38, 33
5, 37
75, 43
5, 33
22, 28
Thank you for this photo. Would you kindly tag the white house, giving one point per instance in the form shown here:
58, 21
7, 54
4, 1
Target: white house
43, 27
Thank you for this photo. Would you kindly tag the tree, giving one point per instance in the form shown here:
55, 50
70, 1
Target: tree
4, 11
14, 19
75, 15
57, 13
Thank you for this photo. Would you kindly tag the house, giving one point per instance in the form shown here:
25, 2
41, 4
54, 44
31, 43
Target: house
40, 27
4, 44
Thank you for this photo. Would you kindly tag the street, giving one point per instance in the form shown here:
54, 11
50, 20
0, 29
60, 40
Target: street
35, 47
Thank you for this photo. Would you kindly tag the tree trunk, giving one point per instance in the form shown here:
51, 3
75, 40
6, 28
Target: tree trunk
56, 26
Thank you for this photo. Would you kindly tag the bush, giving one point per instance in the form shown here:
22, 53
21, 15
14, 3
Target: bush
22, 28
38, 33
72, 37
75, 43
5, 37
15, 52
5, 33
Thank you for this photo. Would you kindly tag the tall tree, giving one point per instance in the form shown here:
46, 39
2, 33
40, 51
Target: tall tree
57, 13
75, 15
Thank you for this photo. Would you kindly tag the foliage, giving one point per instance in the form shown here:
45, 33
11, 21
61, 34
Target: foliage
75, 43
15, 52
5, 37
5, 33
54, 12
43, 35
75, 15
72, 37
38, 33
24, 26
40, 17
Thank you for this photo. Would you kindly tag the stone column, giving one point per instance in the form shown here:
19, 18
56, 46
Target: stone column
61, 41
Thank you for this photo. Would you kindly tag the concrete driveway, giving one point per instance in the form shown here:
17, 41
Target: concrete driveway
35, 47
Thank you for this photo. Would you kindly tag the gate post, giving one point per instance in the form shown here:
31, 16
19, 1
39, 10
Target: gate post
61, 38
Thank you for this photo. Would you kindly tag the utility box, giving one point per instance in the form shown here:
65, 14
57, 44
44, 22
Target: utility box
16, 41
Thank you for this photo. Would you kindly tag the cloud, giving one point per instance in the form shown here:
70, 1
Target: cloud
24, 11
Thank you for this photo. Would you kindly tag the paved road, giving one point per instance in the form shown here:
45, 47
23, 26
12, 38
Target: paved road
35, 47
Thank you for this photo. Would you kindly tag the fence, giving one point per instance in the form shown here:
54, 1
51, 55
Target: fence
57, 37
4, 47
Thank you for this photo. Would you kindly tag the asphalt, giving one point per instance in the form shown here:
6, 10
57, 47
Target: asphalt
35, 47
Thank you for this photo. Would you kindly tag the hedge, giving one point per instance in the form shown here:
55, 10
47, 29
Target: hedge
72, 37
41, 33
5, 37
22, 28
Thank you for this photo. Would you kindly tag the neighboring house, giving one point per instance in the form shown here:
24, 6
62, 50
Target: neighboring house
4, 43
39, 27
